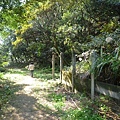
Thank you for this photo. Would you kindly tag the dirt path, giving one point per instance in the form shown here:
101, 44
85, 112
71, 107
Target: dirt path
30, 101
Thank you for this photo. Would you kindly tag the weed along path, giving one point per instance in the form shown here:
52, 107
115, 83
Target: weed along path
34, 99
26, 98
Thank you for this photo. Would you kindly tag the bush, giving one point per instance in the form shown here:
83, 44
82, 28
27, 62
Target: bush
2, 69
5, 64
83, 114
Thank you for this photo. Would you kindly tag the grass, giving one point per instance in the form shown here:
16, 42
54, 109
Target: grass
85, 110
83, 114
58, 100
41, 73
7, 91
45, 73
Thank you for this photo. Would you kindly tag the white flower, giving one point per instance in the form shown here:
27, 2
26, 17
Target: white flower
80, 59
108, 39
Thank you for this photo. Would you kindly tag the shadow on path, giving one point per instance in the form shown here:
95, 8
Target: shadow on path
23, 105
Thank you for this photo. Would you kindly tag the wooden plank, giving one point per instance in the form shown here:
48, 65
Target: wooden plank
73, 70
93, 59
61, 66
53, 66
108, 89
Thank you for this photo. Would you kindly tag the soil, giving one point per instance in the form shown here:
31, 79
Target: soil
30, 102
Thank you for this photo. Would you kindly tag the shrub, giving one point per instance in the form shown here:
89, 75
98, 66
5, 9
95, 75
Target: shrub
2, 69
83, 114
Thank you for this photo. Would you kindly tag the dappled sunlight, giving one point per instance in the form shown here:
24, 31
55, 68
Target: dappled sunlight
20, 79
26, 109
16, 70
27, 103
31, 101
41, 99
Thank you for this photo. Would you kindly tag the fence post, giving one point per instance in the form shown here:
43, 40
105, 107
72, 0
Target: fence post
53, 66
73, 70
61, 66
93, 59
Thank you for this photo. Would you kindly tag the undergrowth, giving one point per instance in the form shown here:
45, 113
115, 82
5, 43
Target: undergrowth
82, 114
6, 91
87, 110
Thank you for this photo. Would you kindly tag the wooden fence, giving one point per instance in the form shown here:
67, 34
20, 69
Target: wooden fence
103, 88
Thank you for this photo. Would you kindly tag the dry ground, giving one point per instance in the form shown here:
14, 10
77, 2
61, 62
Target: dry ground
31, 100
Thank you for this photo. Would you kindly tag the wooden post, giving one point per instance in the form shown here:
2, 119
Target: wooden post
101, 51
53, 66
61, 66
93, 58
73, 70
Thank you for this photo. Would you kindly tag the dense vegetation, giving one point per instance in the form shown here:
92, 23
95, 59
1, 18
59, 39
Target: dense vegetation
32, 30
67, 105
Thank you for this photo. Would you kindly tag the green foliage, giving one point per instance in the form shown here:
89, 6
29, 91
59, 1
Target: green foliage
83, 114
59, 100
45, 73
83, 66
2, 69
6, 92
1, 75
57, 97
8, 4
87, 111
108, 64
39, 26
4, 64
